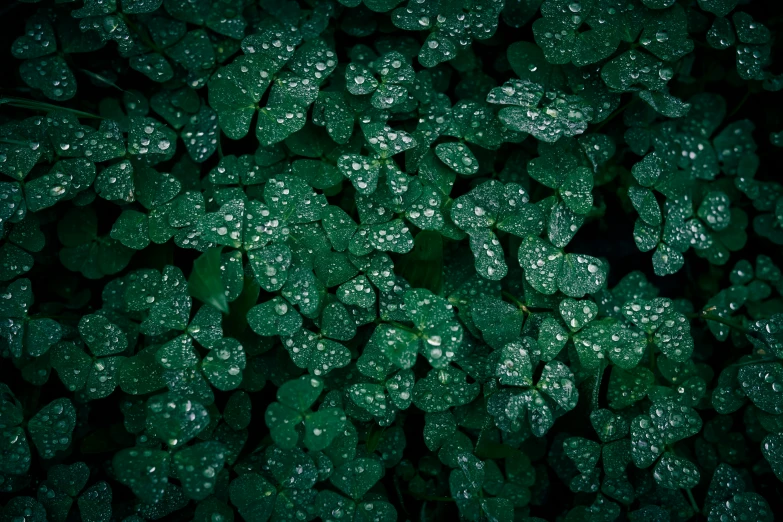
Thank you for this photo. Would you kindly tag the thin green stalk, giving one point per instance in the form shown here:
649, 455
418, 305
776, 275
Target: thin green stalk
718, 319
34, 105
692, 500
740, 104
596, 395
516, 301
615, 114
431, 498
401, 326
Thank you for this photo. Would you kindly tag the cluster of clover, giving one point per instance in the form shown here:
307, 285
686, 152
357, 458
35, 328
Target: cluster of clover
394, 242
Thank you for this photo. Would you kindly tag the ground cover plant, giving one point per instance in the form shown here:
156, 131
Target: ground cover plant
378, 260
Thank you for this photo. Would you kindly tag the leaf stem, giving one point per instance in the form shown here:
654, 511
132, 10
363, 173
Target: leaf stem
596, 395
431, 498
34, 105
516, 301
705, 315
401, 326
692, 500
615, 114
740, 104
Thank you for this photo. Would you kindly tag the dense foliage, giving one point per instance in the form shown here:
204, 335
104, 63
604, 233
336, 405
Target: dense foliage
391, 260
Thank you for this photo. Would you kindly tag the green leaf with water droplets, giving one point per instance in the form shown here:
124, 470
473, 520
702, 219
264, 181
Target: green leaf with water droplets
51, 75
514, 366
552, 337
52, 427
581, 274
541, 263
357, 292
253, 496
197, 468
322, 427
274, 317
627, 387
458, 157
132, 229
148, 137
224, 363
175, 420
748, 505
201, 134
673, 472
357, 477
583, 452
576, 190
102, 336
443, 388
576, 314
646, 441
763, 384
498, 321
144, 470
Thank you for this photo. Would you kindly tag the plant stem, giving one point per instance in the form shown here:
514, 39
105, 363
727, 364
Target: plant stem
599, 376
718, 319
615, 114
34, 105
651, 347
740, 104
402, 326
692, 500
431, 498
516, 301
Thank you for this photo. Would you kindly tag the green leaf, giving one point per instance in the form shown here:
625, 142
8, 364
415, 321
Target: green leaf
577, 314
458, 157
357, 292
398, 345
581, 274
197, 468
609, 426
673, 472
628, 387
205, 283
514, 366
224, 363
646, 442
357, 477
95, 503
275, 317
37, 41
666, 104
101, 336
674, 421
132, 230
558, 382
144, 470
442, 389
51, 75
52, 427
551, 338
541, 263
253, 496
583, 452
175, 420
148, 137
499, 322
763, 384
322, 427
576, 190
743, 505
